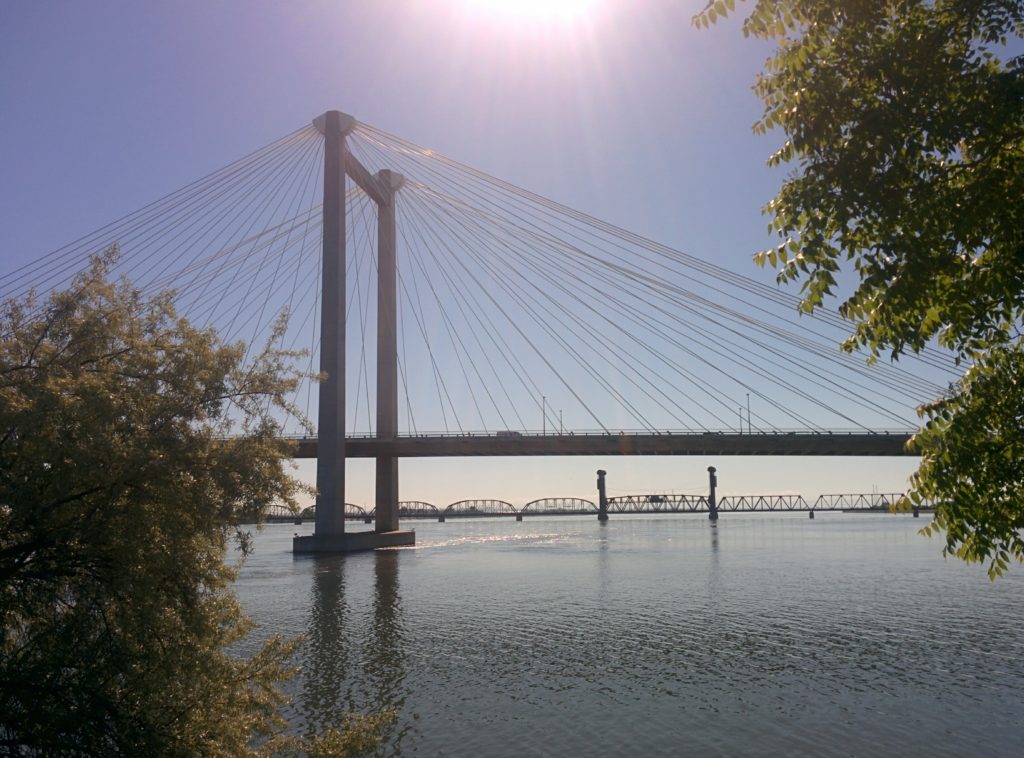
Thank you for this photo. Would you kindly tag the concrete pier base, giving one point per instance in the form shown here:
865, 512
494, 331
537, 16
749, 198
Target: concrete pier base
351, 542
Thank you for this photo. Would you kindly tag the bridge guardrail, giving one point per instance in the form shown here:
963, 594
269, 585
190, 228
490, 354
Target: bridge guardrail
622, 432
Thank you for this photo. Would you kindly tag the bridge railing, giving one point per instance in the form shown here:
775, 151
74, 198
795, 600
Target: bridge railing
621, 432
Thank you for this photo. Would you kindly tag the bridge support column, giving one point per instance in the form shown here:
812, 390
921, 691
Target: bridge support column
602, 496
330, 461
387, 349
712, 503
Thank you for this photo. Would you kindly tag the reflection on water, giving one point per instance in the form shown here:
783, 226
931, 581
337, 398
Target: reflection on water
325, 651
385, 645
349, 666
763, 634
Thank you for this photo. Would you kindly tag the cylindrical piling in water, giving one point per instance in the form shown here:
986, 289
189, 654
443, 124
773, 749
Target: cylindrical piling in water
602, 498
712, 503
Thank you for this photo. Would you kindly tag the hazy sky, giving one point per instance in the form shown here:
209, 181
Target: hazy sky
621, 109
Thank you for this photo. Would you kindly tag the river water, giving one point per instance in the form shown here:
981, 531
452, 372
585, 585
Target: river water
763, 635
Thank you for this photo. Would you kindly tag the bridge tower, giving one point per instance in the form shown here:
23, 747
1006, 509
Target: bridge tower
329, 534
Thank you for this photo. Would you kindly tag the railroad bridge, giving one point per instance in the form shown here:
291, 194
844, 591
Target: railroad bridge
622, 504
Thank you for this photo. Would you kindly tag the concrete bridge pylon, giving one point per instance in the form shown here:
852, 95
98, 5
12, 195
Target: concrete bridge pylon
329, 534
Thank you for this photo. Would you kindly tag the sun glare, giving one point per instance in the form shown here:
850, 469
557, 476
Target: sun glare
534, 10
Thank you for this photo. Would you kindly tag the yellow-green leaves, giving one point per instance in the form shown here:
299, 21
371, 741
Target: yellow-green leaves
714, 10
118, 496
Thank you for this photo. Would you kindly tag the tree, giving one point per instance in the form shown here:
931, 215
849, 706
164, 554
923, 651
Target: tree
904, 123
131, 444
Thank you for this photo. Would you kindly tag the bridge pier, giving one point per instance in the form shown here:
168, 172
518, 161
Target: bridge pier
387, 349
712, 503
602, 496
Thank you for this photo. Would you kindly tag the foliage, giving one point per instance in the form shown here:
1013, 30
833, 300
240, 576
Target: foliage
358, 735
119, 491
904, 121
980, 422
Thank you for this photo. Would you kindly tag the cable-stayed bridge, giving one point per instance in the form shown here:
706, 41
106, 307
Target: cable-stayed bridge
450, 313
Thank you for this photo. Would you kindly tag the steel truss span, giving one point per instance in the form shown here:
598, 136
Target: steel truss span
658, 504
476, 508
764, 503
418, 509
559, 506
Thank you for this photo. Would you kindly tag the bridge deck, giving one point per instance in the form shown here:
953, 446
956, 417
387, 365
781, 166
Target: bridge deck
710, 443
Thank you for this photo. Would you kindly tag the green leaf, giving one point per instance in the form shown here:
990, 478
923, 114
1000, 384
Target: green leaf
906, 157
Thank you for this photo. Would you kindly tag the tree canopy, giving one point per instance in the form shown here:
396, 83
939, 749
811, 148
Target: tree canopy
903, 122
131, 444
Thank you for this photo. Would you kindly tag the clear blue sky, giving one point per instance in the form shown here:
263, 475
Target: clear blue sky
624, 111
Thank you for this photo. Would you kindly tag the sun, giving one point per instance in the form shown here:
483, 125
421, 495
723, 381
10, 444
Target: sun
534, 10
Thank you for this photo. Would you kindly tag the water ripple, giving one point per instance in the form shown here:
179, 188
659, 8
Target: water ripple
767, 634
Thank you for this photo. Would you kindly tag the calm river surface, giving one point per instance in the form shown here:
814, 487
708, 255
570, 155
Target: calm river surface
765, 635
